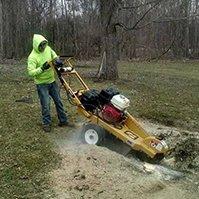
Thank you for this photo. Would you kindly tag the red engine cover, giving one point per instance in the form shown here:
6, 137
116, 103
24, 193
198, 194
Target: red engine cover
111, 114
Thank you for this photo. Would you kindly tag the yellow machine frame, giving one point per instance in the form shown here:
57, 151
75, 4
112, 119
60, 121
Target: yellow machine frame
130, 132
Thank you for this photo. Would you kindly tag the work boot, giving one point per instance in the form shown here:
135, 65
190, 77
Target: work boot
68, 124
47, 128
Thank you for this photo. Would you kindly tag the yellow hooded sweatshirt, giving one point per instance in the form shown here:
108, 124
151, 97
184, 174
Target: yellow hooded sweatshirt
36, 59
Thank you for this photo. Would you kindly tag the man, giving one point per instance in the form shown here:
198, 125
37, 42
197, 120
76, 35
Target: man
44, 78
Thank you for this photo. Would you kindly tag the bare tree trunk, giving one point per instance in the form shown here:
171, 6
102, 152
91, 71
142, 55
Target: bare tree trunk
108, 11
8, 30
196, 32
187, 42
74, 27
1, 32
110, 41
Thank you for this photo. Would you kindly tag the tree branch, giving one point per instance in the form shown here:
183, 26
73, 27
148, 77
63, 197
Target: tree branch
141, 18
135, 7
163, 53
174, 19
163, 21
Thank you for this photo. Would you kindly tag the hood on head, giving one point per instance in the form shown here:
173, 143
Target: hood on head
37, 39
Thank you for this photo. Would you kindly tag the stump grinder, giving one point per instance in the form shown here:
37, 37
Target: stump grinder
106, 111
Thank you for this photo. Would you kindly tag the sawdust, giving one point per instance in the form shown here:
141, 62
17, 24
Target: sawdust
97, 172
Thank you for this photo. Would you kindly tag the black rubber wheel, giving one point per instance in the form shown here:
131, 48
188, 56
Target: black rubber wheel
93, 134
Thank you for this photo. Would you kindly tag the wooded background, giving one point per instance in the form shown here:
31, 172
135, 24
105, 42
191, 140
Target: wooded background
86, 28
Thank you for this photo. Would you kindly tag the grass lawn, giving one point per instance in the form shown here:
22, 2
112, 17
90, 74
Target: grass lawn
26, 152
166, 92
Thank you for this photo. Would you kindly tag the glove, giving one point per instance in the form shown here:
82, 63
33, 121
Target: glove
45, 66
65, 69
58, 63
61, 70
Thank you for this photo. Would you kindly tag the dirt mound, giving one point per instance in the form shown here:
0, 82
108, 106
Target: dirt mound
187, 153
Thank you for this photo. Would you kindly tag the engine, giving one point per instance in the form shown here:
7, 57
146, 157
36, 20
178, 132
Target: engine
113, 112
120, 102
108, 103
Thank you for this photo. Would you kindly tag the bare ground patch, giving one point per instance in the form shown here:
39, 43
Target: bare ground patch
97, 172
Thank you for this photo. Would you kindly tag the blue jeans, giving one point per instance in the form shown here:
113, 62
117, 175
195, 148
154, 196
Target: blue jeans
45, 91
